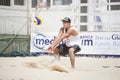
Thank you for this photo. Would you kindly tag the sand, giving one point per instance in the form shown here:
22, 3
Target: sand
37, 68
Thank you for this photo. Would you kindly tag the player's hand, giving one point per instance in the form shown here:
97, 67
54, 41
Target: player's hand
49, 49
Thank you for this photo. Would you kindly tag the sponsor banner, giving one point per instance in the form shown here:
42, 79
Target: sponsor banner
100, 43
90, 42
41, 41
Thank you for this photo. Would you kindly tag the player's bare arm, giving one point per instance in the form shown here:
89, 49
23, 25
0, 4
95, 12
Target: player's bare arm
58, 36
69, 33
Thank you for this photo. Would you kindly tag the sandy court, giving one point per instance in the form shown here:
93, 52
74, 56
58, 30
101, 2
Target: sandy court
37, 68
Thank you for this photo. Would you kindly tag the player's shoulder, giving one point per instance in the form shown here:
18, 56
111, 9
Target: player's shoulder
62, 28
73, 28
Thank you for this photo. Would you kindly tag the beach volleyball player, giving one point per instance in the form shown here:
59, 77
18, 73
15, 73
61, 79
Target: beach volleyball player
70, 36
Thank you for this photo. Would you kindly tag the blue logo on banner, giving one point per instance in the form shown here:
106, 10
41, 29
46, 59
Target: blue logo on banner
87, 40
115, 37
40, 41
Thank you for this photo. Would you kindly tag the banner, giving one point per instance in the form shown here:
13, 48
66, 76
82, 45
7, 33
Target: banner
90, 42
100, 43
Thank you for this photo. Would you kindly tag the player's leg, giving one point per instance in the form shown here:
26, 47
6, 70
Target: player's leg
60, 50
56, 53
74, 49
72, 57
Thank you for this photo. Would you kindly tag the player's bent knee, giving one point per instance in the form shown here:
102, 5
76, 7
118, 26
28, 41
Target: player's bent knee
71, 50
56, 50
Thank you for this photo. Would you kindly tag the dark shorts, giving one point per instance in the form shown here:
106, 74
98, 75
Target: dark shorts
63, 49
